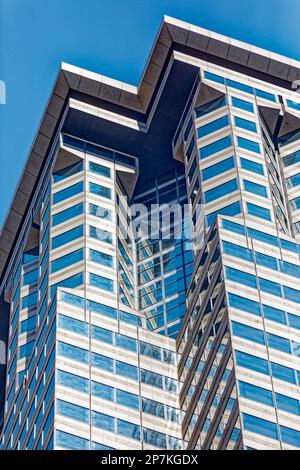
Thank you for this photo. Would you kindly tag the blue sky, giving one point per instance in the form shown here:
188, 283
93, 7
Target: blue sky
112, 37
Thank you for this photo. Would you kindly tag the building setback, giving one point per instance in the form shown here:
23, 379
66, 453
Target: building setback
118, 343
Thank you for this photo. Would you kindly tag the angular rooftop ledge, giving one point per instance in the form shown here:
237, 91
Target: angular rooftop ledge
172, 32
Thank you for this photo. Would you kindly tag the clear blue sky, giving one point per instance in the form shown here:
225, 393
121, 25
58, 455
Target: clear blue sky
112, 37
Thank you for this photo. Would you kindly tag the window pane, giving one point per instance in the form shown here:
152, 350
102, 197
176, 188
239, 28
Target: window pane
67, 260
218, 168
67, 192
99, 169
215, 147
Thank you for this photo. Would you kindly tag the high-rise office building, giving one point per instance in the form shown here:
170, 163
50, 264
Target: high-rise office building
121, 342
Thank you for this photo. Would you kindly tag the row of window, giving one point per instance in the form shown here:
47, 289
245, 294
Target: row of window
270, 313
261, 259
101, 309
264, 367
121, 397
228, 164
264, 285
231, 186
225, 143
261, 236
116, 367
116, 339
222, 122
240, 86
118, 426
71, 442
271, 430
265, 338
266, 397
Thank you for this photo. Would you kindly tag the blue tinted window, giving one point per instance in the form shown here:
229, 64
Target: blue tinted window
97, 446
232, 210
102, 421
260, 426
252, 362
255, 188
128, 399
248, 145
215, 147
126, 370
252, 166
101, 334
30, 277
71, 442
28, 324
290, 246
265, 95
73, 299
212, 126
240, 277
101, 282
293, 104
219, 191
291, 294
290, 436
233, 227
100, 212
67, 192
218, 168
240, 86
214, 77
267, 261
73, 281
67, 237
66, 172
258, 211
295, 204
270, 287
72, 411
102, 309
274, 314
100, 190
247, 332
103, 391
72, 352
261, 236
125, 342
101, 258
210, 107
154, 438
254, 393
99, 169
72, 324
294, 321
293, 181
279, 343
29, 300
244, 304
26, 349
242, 104
283, 373
102, 362
288, 404
291, 159
67, 214
100, 234
245, 124
237, 251
72, 381
66, 260
129, 430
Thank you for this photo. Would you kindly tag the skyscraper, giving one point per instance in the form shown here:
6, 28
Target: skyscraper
121, 342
